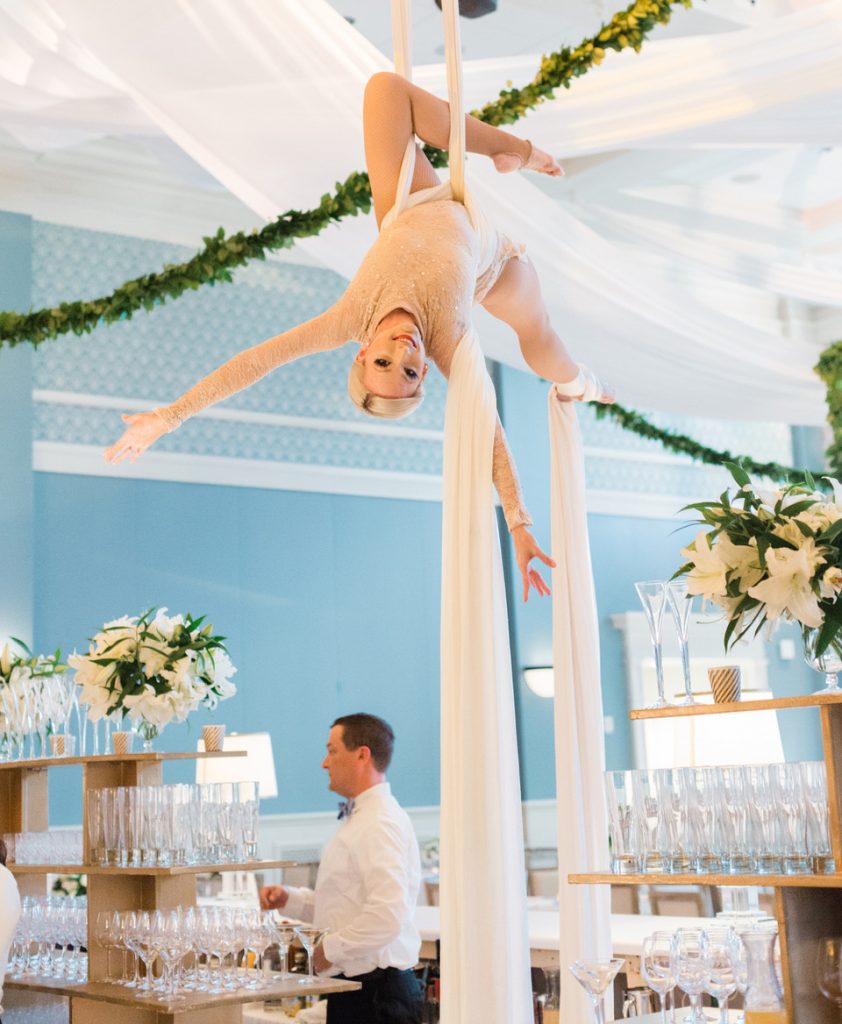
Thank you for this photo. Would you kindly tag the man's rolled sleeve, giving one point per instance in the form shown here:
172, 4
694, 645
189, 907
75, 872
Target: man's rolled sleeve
300, 904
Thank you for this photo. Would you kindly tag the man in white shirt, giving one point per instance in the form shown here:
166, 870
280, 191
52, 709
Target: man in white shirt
9, 914
367, 885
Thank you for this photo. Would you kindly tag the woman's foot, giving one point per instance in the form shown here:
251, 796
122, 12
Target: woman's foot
533, 159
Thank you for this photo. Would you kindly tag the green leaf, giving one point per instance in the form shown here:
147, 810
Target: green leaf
738, 473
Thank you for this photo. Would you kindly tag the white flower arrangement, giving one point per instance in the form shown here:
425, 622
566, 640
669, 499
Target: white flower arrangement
153, 669
771, 555
21, 672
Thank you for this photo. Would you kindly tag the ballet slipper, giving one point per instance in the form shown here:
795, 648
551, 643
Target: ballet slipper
537, 160
585, 386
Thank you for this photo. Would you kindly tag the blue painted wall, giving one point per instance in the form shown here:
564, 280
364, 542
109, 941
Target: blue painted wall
16, 436
330, 603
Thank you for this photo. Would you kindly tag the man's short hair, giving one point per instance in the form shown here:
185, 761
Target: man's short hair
362, 730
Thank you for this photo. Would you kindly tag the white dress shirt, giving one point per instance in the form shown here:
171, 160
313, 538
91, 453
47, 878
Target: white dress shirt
366, 888
9, 914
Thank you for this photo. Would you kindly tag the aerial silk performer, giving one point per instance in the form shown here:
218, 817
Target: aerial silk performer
436, 255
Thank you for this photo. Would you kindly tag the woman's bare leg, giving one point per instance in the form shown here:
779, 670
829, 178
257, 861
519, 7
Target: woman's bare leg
393, 111
516, 300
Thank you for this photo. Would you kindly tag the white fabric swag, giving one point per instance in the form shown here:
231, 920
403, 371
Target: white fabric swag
64, 63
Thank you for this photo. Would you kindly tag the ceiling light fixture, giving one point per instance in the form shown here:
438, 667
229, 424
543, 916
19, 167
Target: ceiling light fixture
474, 8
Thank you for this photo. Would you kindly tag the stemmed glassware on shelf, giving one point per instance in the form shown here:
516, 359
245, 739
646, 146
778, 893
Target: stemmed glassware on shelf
681, 604
652, 594
656, 967
50, 937
595, 976
721, 975
690, 968
310, 936
282, 934
829, 662
829, 969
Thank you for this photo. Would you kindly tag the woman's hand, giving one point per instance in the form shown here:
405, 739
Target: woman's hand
526, 548
144, 429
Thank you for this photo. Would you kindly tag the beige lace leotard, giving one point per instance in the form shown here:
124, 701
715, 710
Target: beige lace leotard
428, 261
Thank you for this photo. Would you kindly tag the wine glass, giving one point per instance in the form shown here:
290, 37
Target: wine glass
310, 937
656, 966
652, 594
681, 604
595, 976
829, 662
829, 969
107, 934
688, 965
721, 976
740, 962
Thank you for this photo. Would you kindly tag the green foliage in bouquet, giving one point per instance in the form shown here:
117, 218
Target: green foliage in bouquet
766, 555
153, 668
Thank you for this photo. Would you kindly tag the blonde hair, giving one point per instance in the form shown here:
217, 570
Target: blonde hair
374, 405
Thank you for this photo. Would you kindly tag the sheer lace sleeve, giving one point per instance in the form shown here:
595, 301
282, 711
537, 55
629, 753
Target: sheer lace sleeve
507, 483
329, 330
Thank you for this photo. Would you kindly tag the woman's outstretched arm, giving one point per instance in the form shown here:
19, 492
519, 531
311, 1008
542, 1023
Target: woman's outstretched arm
330, 329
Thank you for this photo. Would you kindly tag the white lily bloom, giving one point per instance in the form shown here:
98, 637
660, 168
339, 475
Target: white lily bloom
707, 577
788, 588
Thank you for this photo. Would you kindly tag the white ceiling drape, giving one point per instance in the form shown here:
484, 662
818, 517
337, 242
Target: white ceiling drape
267, 97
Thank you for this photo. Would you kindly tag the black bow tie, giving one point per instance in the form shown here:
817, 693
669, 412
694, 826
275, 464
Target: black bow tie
346, 808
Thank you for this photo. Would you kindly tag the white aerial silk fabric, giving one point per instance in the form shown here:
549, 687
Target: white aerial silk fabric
64, 63
485, 949
485, 958
585, 911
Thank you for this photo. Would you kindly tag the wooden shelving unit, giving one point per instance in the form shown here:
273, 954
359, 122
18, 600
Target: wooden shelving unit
808, 907
24, 808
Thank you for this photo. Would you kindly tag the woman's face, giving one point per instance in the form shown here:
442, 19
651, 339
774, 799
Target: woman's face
393, 361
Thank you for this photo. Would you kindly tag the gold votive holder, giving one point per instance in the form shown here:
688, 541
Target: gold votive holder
725, 683
122, 742
214, 737
62, 745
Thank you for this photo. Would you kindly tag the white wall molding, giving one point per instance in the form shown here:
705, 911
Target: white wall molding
87, 460
302, 836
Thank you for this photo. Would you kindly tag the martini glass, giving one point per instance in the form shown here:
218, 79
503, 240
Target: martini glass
282, 934
310, 937
653, 597
595, 976
681, 603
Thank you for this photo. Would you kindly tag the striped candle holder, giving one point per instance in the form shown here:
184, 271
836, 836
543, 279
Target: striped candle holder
725, 682
214, 737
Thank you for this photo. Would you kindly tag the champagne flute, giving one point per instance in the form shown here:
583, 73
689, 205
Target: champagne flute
595, 976
652, 594
681, 604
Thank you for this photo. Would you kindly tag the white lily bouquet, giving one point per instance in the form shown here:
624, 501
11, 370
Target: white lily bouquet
153, 669
28, 705
770, 555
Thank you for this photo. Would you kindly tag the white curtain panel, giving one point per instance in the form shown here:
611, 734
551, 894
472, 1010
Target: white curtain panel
267, 97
